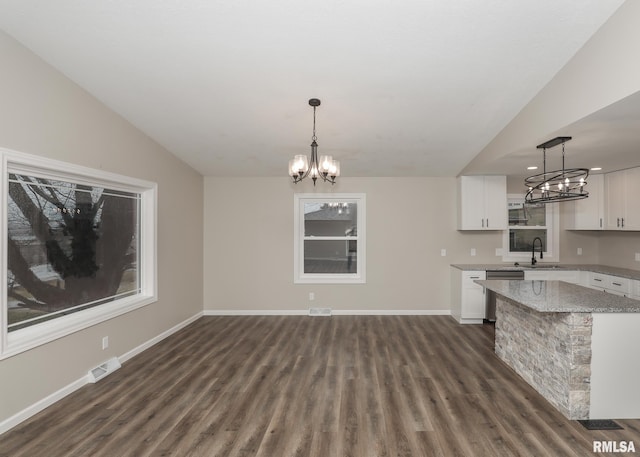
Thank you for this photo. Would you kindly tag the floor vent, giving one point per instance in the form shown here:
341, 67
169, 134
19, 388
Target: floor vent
600, 424
319, 311
99, 372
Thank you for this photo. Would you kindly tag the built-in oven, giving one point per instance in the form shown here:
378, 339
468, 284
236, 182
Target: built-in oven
490, 296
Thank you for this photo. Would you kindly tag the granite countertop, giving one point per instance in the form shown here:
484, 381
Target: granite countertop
602, 269
560, 297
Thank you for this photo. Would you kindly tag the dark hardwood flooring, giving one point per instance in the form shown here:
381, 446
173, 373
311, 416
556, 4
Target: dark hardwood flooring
277, 386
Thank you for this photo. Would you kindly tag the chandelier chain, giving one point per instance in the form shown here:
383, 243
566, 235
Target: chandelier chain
314, 137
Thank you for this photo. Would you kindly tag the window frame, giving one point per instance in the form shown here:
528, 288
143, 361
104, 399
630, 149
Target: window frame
299, 276
17, 341
552, 248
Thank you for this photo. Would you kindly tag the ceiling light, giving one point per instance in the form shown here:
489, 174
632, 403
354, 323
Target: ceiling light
532, 168
558, 185
596, 168
325, 168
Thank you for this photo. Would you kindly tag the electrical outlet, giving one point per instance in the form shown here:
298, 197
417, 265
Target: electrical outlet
443, 252
473, 252
579, 251
105, 342
637, 256
312, 296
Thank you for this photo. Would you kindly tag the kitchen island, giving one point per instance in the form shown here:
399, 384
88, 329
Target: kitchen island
578, 347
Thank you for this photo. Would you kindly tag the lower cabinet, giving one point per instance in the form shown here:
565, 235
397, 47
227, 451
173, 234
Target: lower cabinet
635, 289
611, 284
468, 298
572, 276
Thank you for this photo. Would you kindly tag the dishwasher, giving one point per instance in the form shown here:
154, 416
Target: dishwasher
490, 296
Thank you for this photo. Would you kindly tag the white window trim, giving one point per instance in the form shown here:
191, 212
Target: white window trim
299, 277
30, 337
552, 249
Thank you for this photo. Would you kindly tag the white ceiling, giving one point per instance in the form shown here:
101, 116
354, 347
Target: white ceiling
412, 88
607, 139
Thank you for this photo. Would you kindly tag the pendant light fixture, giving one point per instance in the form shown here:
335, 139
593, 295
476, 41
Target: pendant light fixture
326, 168
558, 185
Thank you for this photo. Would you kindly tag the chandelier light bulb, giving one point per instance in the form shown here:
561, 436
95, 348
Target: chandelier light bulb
334, 170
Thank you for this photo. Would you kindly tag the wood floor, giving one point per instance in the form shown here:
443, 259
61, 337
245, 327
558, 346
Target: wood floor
278, 386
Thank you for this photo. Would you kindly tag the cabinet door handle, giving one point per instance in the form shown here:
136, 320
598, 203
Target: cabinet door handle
598, 280
622, 222
483, 222
487, 222
618, 222
600, 222
617, 284
474, 277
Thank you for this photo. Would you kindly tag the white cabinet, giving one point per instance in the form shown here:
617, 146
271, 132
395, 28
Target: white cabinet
611, 284
588, 213
572, 276
482, 203
622, 203
635, 289
468, 298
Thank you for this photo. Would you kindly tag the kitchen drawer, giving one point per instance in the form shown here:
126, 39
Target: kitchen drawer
598, 280
620, 285
468, 278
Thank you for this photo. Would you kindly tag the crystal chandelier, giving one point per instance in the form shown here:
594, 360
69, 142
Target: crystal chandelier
325, 168
558, 185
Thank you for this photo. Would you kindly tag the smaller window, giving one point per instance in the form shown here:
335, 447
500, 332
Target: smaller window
526, 223
329, 238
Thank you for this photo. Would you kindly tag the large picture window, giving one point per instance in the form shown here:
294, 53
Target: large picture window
80, 248
329, 238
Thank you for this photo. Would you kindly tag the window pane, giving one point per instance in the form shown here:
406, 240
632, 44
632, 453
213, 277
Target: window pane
330, 257
70, 247
330, 219
522, 240
527, 215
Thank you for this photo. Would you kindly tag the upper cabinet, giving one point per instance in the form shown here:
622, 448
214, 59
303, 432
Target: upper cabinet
588, 213
622, 204
482, 203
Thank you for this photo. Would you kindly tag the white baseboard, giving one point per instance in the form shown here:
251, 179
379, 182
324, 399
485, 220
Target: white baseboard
391, 312
256, 312
335, 312
34, 409
146, 345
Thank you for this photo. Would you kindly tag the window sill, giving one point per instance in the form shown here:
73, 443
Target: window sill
31, 337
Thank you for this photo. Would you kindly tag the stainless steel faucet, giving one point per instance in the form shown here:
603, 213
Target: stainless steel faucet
533, 250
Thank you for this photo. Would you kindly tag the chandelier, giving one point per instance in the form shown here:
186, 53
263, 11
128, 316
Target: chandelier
558, 185
325, 168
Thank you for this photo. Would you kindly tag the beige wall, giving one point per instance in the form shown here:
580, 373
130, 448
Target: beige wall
44, 113
248, 249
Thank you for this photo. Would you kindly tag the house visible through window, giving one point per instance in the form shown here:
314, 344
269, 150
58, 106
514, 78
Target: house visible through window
329, 238
80, 249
